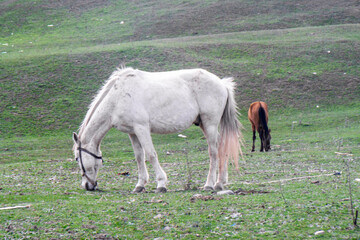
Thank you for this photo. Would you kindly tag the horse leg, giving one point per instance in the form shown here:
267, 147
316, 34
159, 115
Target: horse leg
143, 134
226, 177
254, 138
140, 159
211, 137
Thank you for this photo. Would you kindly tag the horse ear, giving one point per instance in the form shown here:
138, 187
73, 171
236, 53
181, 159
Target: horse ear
269, 130
75, 138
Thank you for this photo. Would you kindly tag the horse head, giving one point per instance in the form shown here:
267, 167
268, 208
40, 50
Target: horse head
267, 139
89, 164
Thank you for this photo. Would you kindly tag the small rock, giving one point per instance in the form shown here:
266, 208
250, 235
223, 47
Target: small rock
167, 228
197, 195
319, 232
225, 192
158, 216
235, 215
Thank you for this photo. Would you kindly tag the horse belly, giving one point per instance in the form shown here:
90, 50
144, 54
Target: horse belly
174, 115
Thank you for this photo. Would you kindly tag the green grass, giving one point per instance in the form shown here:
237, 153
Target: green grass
49, 179
49, 74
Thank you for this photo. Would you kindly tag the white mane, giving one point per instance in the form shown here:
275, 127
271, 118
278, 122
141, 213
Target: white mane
101, 95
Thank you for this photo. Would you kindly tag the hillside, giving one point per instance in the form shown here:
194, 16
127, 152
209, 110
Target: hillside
64, 22
56, 54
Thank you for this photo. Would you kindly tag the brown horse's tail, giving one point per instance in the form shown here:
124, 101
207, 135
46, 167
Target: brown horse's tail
230, 129
262, 116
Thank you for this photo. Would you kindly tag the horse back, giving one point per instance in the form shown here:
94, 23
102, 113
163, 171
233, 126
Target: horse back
258, 115
168, 101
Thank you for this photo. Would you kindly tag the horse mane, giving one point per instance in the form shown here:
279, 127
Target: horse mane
102, 94
262, 116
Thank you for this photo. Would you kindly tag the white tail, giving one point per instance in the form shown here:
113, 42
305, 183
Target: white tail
231, 138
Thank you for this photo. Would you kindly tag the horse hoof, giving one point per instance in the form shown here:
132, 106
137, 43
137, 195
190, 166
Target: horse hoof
161, 190
208, 188
139, 189
219, 187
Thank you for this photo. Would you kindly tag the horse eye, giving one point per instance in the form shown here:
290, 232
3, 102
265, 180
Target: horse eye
77, 159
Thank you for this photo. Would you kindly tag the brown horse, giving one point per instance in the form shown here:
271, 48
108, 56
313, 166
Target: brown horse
258, 116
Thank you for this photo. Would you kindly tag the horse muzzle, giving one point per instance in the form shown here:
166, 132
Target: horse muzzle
90, 187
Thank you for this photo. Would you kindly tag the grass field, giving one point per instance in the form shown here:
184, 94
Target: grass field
290, 192
302, 59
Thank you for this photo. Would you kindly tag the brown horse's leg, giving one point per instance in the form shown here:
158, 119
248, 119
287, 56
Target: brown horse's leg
254, 137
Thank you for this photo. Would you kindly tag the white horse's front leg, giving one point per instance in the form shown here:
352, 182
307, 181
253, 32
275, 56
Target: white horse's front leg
143, 134
140, 159
161, 177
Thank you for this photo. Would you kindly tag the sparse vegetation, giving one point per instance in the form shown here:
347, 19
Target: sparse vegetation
302, 59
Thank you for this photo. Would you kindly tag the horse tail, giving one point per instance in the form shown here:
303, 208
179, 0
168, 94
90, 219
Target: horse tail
262, 116
231, 138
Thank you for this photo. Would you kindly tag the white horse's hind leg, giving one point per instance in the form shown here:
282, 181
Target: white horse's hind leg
140, 159
143, 134
222, 177
211, 134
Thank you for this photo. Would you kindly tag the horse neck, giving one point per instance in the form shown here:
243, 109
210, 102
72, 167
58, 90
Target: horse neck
94, 131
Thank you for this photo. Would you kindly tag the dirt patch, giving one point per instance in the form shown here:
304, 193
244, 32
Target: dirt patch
7, 3
29, 8
76, 7
199, 18
103, 236
203, 198
76, 4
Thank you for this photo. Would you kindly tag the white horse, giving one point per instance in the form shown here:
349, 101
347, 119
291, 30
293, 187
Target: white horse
140, 103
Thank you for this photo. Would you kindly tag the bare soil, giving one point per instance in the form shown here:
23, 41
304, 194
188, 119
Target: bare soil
232, 16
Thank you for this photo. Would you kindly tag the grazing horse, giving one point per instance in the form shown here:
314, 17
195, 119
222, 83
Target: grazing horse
258, 116
140, 103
